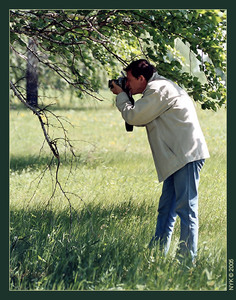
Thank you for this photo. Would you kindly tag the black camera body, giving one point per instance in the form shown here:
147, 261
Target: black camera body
121, 82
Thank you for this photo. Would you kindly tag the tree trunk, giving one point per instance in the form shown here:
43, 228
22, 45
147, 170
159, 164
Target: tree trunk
32, 74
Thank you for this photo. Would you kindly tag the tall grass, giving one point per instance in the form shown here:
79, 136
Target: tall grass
114, 217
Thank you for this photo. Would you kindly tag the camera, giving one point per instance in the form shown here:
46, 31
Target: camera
121, 81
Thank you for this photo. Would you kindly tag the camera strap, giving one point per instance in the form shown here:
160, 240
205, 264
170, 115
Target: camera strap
131, 99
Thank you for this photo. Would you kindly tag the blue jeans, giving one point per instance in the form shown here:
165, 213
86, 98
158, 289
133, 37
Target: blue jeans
179, 197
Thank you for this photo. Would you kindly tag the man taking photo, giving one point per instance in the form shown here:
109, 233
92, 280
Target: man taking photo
178, 147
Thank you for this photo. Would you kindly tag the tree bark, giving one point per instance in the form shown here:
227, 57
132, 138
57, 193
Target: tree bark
32, 74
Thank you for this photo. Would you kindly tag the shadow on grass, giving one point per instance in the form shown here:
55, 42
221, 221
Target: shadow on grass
88, 159
34, 162
19, 163
105, 249
44, 252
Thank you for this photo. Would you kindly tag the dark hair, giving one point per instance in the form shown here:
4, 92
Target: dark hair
141, 67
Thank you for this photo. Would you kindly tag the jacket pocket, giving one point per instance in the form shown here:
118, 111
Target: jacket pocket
170, 153
170, 150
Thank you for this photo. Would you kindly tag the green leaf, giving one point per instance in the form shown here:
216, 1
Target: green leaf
112, 38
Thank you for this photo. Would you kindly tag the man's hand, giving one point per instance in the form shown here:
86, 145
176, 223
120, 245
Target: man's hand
116, 89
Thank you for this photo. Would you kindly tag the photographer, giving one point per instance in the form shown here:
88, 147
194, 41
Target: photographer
178, 147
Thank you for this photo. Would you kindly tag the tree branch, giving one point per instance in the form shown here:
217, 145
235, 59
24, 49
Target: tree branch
52, 143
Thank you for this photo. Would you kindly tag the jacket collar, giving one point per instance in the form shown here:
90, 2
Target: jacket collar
155, 76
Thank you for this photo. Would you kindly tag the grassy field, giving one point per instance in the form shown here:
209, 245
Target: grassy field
102, 243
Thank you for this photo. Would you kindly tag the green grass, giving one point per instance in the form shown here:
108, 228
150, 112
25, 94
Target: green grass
114, 217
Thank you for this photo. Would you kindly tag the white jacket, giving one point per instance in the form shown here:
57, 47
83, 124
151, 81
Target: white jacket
173, 130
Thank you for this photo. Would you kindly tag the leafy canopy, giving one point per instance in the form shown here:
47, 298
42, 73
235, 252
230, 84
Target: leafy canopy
78, 44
